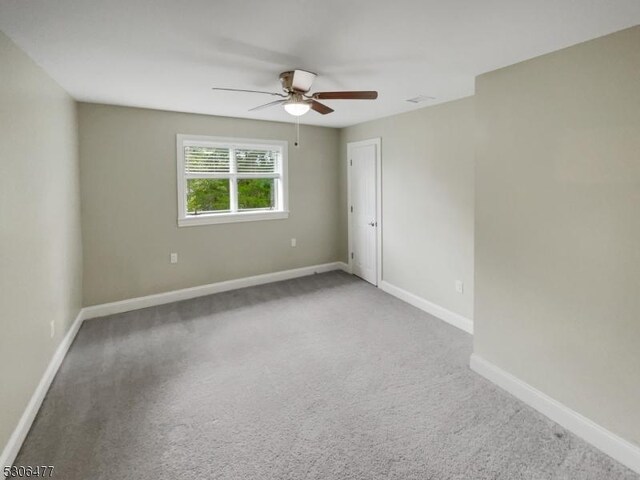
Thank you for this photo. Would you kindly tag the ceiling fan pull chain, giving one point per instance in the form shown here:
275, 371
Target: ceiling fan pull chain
297, 132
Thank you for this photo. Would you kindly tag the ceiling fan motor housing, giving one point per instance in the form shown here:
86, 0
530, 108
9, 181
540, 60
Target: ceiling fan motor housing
297, 81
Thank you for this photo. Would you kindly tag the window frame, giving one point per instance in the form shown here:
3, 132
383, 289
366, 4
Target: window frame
282, 192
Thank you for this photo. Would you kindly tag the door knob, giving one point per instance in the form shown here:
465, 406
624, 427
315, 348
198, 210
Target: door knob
372, 224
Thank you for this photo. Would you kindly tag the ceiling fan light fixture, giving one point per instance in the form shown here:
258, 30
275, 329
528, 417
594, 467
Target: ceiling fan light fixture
297, 108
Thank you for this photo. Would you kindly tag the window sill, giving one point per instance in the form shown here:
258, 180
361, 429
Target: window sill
194, 221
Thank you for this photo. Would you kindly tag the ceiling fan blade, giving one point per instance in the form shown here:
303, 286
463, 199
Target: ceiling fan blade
270, 104
320, 107
363, 95
302, 80
249, 91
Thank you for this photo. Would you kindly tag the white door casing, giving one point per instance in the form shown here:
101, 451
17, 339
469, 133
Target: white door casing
364, 209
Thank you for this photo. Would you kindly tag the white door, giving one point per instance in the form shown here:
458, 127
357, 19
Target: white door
363, 161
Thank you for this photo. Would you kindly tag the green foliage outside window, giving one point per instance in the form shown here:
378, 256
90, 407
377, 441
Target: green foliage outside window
206, 195
255, 193
209, 195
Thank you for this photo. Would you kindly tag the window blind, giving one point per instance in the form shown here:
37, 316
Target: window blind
199, 159
256, 161
207, 160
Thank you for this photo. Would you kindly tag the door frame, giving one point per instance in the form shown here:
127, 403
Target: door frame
377, 142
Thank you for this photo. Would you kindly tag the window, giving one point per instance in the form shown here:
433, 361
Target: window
223, 180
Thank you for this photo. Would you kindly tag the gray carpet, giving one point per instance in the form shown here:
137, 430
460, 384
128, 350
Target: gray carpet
324, 377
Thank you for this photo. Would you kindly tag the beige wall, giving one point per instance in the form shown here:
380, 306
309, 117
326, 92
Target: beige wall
129, 206
558, 226
427, 200
40, 243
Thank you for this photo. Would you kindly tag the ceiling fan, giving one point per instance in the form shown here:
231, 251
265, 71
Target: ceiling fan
296, 98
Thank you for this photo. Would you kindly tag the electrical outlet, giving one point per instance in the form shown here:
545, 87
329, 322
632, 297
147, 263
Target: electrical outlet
459, 286
294, 242
52, 326
174, 258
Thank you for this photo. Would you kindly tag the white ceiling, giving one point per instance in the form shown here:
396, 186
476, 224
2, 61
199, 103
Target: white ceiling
167, 54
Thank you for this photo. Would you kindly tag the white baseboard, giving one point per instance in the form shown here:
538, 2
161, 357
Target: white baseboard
442, 313
344, 267
14, 443
202, 290
18, 436
621, 450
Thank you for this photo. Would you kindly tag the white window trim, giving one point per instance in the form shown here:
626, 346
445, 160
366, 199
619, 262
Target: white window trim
185, 220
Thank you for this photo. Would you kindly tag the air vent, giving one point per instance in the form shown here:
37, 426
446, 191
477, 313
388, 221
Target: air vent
420, 99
